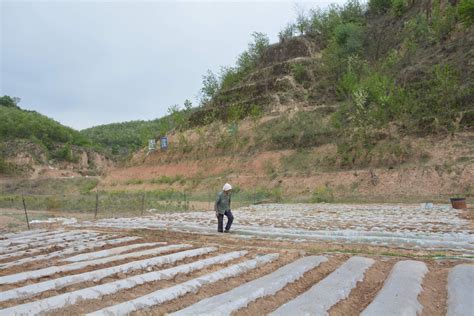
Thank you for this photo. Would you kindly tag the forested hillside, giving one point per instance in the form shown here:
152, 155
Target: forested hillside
362, 73
28, 138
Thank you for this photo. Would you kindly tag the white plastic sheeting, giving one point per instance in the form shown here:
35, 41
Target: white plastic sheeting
39, 237
74, 244
27, 237
408, 226
8, 243
110, 252
95, 292
461, 290
326, 293
53, 220
49, 240
28, 275
399, 294
34, 289
239, 297
23, 233
70, 250
191, 286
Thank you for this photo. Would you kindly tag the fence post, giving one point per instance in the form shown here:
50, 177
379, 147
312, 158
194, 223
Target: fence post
96, 203
184, 198
26, 213
143, 203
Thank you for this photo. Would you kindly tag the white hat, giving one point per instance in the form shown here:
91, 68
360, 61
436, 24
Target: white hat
227, 187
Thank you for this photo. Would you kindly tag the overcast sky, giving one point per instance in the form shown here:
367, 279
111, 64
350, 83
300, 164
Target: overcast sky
86, 63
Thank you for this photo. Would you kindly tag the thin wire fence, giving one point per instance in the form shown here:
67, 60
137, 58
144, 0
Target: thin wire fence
29, 208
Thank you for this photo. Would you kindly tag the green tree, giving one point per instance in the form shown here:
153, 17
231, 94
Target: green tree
176, 116
188, 105
11, 102
210, 86
249, 59
303, 23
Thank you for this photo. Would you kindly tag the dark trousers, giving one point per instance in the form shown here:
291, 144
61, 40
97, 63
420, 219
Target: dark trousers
220, 221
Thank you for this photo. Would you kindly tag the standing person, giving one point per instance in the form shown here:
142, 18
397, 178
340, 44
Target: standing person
222, 207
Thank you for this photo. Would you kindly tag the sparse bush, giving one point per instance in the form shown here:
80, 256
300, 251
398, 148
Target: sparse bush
88, 185
255, 113
466, 12
353, 153
398, 7
349, 38
168, 180
269, 169
436, 102
230, 77
418, 30
249, 59
324, 22
322, 194
184, 146
373, 100
380, 6
64, 153
134, 181
303, 23
235, 113
210, 86
300, 73
392, 152
306, 161
305, 129
52, 204
442, 23
287, 33
178, 117
347, 42
353, 12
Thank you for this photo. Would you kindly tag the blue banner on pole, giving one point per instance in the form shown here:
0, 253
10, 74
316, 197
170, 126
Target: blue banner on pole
164, 143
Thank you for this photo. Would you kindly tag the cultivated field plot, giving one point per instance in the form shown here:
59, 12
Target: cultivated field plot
98, 273
402, 226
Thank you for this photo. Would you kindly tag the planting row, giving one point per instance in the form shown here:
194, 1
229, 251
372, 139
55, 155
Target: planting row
189, 269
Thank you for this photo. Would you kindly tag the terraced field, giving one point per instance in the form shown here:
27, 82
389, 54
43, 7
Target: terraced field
121, 275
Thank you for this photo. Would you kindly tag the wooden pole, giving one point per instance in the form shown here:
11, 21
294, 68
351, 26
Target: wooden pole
96, 203
184, 198
143, 203
26, 213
